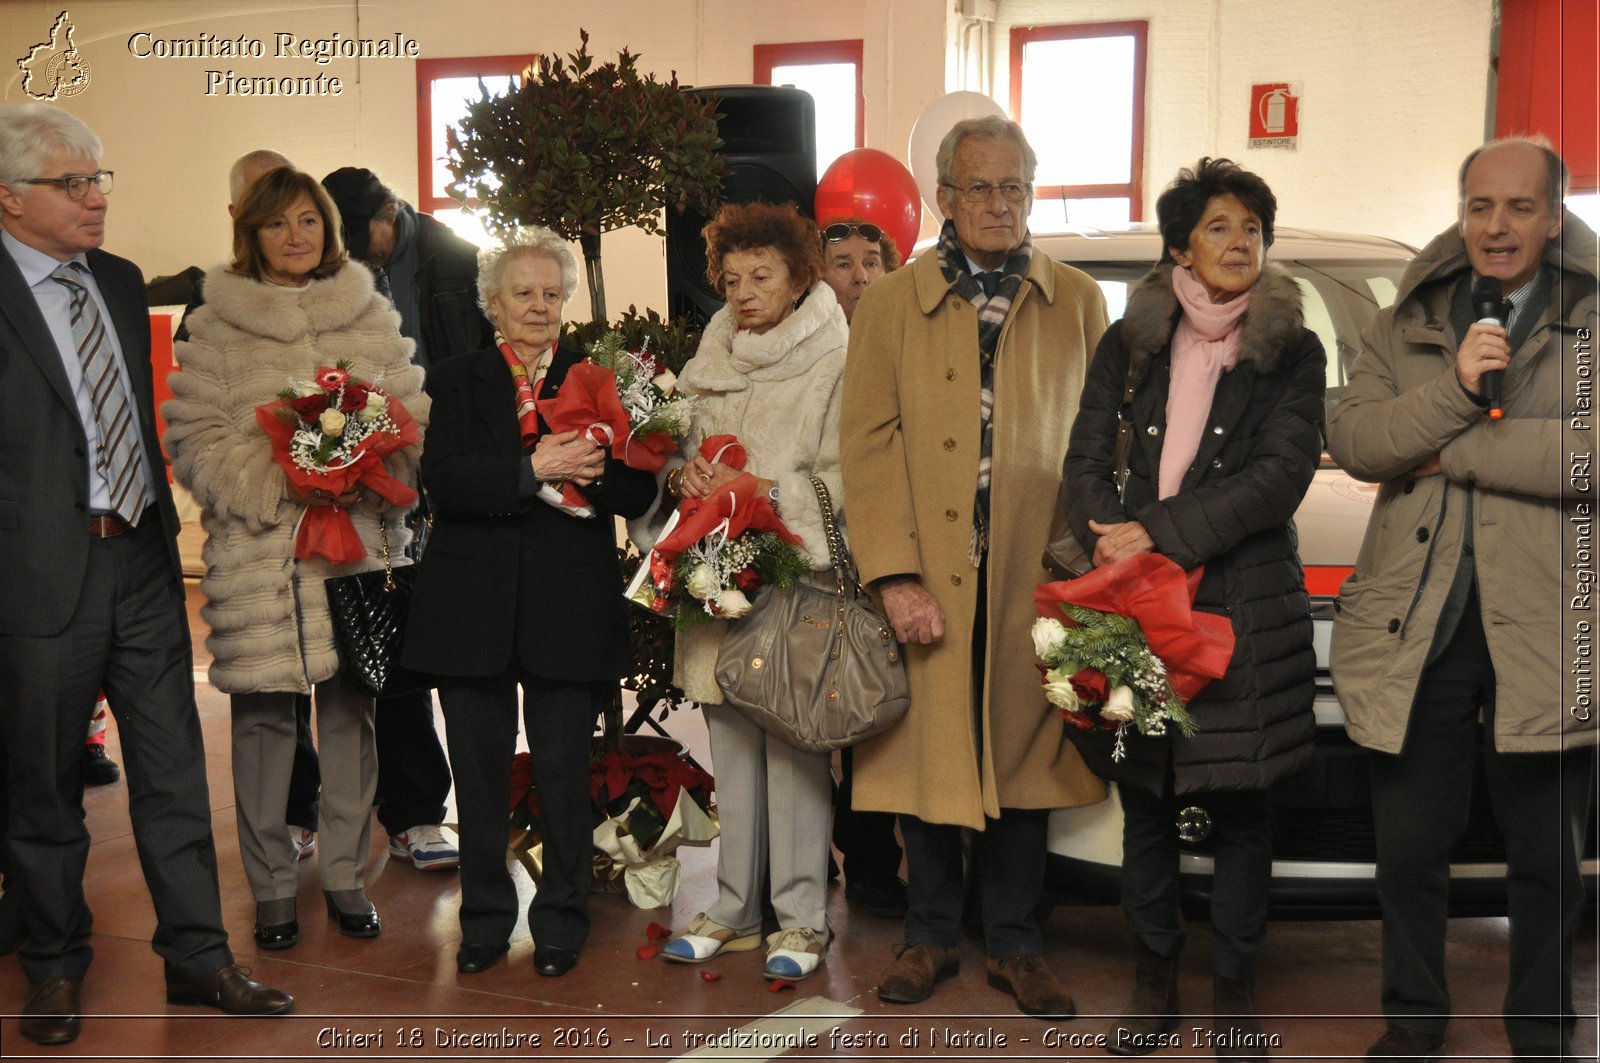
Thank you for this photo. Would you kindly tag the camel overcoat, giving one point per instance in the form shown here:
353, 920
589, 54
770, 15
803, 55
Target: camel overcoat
909, 445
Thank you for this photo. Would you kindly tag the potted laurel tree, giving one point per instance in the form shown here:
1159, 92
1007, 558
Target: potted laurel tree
584, 150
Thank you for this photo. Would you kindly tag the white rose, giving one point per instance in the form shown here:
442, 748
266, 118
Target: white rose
1058, 691
734, 604
666, 380
331, 422
1047, 635
702, 582
377, 406
1119, 706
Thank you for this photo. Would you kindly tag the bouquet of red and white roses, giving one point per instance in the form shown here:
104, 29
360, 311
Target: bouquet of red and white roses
330, 434
718, 549
1132, 651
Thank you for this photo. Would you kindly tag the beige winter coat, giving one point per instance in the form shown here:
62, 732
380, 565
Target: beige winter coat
1531, 481
779, 393
910, 451
268, 613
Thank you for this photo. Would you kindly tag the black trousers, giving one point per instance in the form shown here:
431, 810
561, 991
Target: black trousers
129, 636
1008, 858
865, 839
1242, 839
413, 773
1419, 805
480, 717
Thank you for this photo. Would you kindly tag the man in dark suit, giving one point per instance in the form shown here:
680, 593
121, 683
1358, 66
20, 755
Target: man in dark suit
93, 597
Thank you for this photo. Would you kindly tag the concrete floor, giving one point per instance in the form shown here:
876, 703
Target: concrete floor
398, 996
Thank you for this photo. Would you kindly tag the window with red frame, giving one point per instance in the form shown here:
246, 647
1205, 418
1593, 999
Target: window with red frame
1091, 168
444, 87
831, 72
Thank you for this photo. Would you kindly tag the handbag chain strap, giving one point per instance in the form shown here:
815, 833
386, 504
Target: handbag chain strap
844, 566
388, 569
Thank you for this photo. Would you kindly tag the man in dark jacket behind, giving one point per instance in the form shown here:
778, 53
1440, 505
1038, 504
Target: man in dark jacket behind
1471, 598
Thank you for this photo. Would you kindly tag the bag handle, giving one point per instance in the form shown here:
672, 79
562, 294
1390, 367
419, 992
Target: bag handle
388, 568
844, 566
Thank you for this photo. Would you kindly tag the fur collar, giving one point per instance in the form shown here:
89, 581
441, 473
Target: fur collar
287, 314
1273, 321
728, 358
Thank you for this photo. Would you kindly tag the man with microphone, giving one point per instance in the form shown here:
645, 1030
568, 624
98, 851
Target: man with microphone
1456, 630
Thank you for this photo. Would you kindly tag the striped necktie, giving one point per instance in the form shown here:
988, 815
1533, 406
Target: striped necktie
117, 456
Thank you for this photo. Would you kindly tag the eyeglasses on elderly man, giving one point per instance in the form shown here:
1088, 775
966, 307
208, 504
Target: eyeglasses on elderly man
76, 185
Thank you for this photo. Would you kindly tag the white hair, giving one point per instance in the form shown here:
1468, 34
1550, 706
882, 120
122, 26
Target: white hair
29, 132
532, 241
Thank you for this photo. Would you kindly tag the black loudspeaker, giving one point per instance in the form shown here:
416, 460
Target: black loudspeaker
769, 148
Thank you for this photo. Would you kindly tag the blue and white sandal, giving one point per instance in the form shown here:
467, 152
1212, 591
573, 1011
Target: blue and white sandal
705, 939
790, 955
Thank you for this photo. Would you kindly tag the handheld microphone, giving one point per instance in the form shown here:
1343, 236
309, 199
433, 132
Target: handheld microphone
1487, 306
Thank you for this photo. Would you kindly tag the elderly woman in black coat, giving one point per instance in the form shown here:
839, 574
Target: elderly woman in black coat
519, 586
1226, 419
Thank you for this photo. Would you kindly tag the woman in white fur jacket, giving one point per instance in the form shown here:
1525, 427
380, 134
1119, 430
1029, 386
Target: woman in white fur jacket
768, 370
289, 302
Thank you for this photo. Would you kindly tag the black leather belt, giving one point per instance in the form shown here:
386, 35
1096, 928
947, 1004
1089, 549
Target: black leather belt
107, 525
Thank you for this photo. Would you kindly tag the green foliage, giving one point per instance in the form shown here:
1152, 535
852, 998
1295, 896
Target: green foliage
671, 343
585, 149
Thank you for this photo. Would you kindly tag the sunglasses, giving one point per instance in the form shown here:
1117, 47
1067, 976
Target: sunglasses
840, 231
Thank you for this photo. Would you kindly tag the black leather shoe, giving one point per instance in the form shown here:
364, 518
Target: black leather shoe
553, 961
230, 990
885, 898
98, 768
52, 1015
278, 935
354, 924
1402, 1042
473, 957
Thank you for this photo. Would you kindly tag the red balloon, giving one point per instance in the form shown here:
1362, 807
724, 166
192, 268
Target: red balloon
874, 186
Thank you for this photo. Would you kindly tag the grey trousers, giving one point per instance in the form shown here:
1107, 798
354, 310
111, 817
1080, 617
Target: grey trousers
773, 801
263, 759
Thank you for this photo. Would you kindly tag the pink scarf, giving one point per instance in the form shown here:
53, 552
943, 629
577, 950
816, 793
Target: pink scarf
1204, 346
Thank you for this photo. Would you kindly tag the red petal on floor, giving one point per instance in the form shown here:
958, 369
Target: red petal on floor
710, 976
778, 985
657, 932
647, 952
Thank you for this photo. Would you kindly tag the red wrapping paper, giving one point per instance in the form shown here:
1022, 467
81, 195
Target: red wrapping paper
1151, 589
588, 403
326, 531
738, 502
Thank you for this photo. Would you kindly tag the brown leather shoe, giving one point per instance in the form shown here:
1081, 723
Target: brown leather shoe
1038, 991
230, 990
52, 1016
915, 971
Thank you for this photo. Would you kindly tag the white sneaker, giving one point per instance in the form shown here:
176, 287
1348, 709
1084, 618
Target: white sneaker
305, 842
426, 847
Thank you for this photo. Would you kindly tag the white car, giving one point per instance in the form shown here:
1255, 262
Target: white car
1323, 845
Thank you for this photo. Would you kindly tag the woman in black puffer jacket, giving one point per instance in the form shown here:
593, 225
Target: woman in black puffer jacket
1226, 418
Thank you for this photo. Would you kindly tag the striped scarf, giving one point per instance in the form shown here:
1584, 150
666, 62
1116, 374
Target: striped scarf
527, 389
992, 313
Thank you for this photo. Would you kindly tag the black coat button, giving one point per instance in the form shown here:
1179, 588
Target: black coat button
1422, 535
1394, 625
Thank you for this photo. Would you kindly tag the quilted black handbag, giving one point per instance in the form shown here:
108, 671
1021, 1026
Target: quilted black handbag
369, 611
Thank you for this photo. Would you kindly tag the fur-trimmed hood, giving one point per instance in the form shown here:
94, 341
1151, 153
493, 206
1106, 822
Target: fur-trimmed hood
1269, 327
728, 357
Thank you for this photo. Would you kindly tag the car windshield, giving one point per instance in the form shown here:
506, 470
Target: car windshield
1341, 298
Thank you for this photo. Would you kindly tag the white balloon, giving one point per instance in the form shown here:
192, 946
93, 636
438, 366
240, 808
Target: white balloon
929, 130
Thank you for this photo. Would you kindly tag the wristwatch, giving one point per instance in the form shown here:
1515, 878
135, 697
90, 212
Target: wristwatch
772, 496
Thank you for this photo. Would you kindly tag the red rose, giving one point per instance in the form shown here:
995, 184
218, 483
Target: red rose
309, 407
1090, 686
355, 397
746, 579
331, 379
1078, 720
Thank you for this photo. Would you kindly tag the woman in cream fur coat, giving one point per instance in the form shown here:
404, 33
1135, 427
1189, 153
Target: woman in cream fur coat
768, 370
289, 302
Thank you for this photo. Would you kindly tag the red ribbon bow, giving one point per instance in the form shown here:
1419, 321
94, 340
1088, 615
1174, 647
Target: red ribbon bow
737, 501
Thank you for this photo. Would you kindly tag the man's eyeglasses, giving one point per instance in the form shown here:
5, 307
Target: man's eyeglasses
77, 185
840, 231
1011, 191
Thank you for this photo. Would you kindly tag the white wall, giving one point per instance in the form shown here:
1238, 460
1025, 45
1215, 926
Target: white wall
1394, 96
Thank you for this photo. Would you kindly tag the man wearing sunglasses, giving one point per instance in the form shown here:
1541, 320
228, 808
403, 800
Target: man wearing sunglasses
93, 597
960, 388
854, 254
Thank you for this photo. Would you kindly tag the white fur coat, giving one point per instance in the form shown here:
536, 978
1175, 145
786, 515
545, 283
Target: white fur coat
779, 393
268, 613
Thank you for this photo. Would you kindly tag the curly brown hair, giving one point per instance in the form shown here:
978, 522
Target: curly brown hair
749, 226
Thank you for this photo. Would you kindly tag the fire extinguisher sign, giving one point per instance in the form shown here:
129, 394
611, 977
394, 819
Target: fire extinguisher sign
1275, 115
